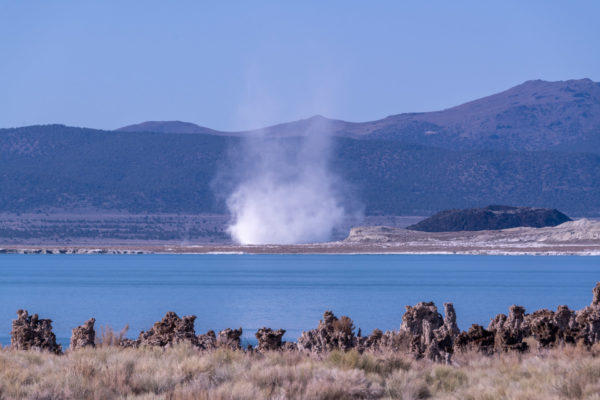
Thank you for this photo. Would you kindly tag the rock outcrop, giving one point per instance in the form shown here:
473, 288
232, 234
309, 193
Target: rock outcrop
171, 329
476, 339
31, 332
331, 334
549, 328
431, 335
230, 338
510, 331
450, 320
490, 218
552, 328
207, 341
84, 335
588, 320
268, 339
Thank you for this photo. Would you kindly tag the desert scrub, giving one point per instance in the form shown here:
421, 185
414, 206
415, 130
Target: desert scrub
184, 372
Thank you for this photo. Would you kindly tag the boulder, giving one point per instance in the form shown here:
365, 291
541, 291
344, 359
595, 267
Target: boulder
31, 332
84, 335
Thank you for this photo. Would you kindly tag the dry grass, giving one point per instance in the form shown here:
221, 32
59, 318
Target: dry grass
182, 372
108, 336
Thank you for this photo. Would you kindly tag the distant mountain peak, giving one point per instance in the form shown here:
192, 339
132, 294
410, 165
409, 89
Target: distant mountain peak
319, 117
534, 115
166, 127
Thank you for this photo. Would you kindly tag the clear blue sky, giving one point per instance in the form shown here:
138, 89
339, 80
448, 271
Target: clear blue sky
233, 65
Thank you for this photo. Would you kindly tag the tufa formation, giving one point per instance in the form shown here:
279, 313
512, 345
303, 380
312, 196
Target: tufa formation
424, 333
31, 332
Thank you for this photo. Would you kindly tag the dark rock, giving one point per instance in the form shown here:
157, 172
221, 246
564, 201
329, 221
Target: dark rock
171, 329
543, 327
230, 338
490, 218
207, 341
269, 339
84, 335
476, 339
31, 332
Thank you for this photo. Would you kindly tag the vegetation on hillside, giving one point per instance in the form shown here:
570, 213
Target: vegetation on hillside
57, 167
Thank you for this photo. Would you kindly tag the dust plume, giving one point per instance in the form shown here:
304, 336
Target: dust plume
287, 192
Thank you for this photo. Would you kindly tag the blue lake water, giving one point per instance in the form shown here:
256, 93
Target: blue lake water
281, 291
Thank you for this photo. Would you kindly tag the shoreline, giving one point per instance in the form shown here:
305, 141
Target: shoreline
308, 249
579, 237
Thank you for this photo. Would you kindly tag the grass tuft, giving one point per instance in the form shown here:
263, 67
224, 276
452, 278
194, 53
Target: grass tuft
183, 372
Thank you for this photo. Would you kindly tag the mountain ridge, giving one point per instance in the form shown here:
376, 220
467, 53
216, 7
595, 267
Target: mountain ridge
535, 115
409, 169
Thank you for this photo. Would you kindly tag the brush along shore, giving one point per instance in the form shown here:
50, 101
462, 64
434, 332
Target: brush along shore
183, 371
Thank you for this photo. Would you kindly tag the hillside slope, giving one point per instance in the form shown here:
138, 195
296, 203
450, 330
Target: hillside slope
54, 166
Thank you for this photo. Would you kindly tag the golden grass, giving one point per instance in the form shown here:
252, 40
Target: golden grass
183, 372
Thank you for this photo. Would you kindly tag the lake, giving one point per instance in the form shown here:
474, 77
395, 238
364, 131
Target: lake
281, 291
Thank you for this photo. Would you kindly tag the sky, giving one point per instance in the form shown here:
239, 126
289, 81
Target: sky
233, 65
